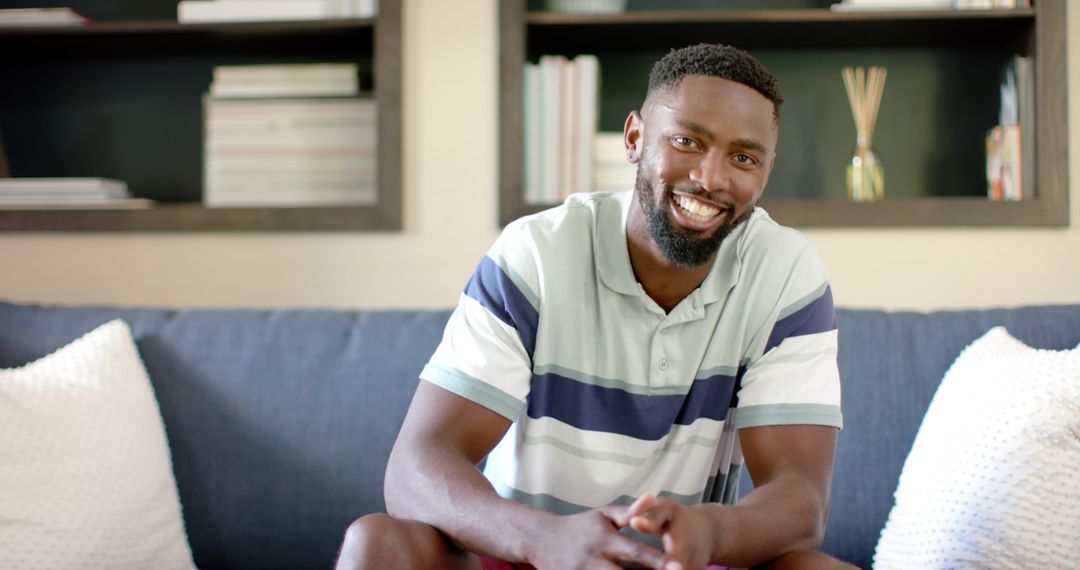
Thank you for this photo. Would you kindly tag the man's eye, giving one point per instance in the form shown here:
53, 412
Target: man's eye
685, 142
745, 158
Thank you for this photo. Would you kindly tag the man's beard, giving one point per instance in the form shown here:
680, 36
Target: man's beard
679, 246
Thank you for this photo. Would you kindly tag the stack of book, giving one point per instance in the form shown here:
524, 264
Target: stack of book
289, 135
40, 193
1010, 146
204, 11
900, 5
560, 123
20, 17
612, 171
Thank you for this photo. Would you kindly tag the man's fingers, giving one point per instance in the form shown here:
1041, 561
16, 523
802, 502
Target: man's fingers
629, 550
653, 520
644, 503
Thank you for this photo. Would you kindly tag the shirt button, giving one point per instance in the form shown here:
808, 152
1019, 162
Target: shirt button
663, 330
663, 364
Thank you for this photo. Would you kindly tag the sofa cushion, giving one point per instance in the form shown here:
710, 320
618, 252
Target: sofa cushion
280, 421
990, 480
86, 473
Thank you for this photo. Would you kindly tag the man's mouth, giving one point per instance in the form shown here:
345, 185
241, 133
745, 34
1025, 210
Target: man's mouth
697, 214
695, 209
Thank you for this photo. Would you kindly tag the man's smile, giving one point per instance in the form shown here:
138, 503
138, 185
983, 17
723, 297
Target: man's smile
697, 214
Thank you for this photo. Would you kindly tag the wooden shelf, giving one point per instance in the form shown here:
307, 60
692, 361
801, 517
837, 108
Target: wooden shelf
954, 41
550, 32
195, 217
123, 99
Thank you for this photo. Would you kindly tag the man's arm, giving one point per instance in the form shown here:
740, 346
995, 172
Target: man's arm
432, 478
787, 511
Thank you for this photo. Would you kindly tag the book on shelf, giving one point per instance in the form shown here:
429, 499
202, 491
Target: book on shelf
560, 116
911, 5
285, 80
1010, 145
41, 17
285, 147
213, 11
5, 170
39, 193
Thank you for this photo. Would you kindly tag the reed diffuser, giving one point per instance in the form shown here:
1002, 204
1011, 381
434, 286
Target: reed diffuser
865, 174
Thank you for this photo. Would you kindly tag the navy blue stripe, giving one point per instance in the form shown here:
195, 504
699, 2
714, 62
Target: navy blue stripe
497, 293
613, 410
816, 317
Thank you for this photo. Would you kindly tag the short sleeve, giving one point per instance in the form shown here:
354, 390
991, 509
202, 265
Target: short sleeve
796, 380
486, 351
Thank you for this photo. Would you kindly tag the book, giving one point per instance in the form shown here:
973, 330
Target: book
531, 126
210, 11
5, 170
898, 5
60, 187
37, 193
290, 80
41, 17
207, 11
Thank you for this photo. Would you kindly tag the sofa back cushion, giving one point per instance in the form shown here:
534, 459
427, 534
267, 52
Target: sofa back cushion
891, 364
280, 422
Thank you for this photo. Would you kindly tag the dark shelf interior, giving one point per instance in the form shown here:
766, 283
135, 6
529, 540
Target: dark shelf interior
940, 99
124, 99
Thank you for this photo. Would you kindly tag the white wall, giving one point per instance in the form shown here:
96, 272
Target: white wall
450, 218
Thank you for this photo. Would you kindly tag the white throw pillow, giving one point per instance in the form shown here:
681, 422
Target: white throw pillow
991, 480
85, 473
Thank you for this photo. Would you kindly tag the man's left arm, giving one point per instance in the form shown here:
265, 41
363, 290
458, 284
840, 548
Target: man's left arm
787, 511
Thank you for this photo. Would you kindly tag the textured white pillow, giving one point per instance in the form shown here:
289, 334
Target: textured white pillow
85, 474
991, 480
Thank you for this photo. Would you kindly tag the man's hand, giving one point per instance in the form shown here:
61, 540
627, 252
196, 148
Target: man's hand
591, 540
685, 531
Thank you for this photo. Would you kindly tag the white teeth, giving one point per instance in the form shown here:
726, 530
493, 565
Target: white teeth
699, 210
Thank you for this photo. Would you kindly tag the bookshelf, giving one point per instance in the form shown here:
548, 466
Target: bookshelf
122, 98
940, 99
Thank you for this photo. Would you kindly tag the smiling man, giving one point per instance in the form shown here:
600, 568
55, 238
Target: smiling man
619, 359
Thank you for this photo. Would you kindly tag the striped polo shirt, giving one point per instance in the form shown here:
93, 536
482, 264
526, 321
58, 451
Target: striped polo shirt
611, 397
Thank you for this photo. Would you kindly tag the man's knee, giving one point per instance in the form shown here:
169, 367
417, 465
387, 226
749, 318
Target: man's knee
382, 541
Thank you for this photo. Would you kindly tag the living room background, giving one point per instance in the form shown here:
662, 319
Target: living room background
450, 200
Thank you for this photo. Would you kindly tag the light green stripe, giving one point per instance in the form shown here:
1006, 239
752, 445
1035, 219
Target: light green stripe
718, 371
623, 458
789, 414
518, 280
625, 386
475, 390
610, 382
582, 453
802, 303
555, 505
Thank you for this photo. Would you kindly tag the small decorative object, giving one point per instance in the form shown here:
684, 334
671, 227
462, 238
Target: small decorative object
587, 6
865, 174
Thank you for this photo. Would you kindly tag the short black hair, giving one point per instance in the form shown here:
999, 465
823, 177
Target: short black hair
716, 60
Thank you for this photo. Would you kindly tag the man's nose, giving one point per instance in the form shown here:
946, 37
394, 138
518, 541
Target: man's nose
712, 173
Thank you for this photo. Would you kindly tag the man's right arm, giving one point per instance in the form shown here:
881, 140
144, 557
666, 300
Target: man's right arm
432, 478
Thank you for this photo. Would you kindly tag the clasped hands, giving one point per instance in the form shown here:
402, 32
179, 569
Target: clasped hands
592, 539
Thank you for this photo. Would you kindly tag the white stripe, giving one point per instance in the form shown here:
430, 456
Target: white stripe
802, 370
594, 468
480, 345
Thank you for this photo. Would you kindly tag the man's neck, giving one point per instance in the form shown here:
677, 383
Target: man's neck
665, 282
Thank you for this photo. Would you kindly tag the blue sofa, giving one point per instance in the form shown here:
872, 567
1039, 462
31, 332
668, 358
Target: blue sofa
280, 421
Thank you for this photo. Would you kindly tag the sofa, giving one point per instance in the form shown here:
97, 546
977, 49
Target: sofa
280, 421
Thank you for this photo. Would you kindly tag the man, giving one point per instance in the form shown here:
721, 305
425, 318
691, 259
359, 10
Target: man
615, 358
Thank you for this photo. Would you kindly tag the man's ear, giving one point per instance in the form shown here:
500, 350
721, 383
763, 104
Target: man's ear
632, 136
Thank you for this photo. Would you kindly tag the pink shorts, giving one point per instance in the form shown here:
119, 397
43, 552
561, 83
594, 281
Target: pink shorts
492, 564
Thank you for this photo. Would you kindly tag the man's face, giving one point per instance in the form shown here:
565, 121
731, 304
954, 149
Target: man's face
704, 152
